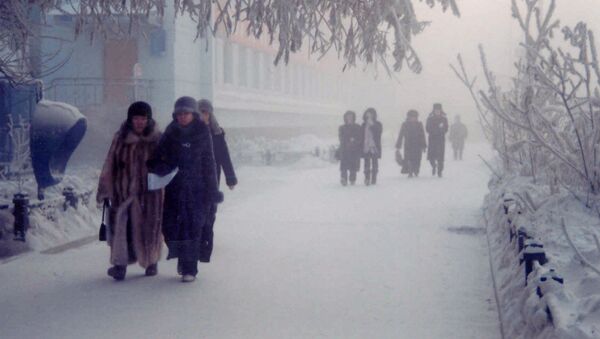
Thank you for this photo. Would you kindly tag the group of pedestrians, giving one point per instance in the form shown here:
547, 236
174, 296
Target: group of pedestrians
193, 148
364, 141
360, 141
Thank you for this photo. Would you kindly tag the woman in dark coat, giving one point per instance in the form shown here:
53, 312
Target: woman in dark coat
412, 135
371, 143
223, 163
350, 148
437, 127
186, 145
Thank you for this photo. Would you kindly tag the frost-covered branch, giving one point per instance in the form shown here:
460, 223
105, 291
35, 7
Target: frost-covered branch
358, 30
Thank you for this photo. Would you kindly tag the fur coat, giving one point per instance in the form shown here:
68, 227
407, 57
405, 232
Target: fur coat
123, 181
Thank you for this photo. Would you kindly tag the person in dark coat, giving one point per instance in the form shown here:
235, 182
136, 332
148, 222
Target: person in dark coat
371, 143
186, 145
350, 148
223, 164
458, 134
412, 136
437, 127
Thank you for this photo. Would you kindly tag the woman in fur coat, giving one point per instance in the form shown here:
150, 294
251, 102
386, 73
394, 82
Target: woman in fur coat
134, 213
186, 145
223, 163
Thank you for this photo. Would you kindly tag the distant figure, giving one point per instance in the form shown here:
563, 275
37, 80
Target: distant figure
350, 135
412, 136
223, 163
457, 136
134, 213
437, 127
371, 137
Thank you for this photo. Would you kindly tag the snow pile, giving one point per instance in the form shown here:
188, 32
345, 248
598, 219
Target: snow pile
544, 308
50, 224
260, 151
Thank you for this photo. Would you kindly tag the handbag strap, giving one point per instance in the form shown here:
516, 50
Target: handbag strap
103, 210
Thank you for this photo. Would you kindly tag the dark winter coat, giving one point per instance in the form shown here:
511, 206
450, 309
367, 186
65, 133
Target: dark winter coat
123, 181
458, 134
437, 127
350, 136
223, 160
192, 192
412, 137
376, 129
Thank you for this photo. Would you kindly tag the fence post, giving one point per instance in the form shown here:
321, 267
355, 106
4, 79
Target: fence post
21, 213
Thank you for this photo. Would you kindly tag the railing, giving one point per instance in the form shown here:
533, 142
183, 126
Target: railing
85, 92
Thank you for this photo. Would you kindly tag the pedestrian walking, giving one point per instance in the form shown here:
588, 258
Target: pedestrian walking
223, 165
371, 137
350, 149
412, 137
437, 127
458, 134
186, 145
134, 212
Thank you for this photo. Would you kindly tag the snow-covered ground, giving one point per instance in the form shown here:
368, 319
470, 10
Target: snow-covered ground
296, 256
574, 307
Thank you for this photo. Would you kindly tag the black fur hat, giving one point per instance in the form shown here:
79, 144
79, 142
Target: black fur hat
139, 108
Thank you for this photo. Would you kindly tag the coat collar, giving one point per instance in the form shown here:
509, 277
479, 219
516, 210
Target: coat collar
133, 138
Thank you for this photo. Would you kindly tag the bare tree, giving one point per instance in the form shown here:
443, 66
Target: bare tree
356, 29
546, 125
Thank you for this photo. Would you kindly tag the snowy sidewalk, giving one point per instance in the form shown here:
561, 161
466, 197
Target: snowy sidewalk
296, 256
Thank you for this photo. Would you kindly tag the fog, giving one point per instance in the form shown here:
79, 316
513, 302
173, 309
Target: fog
325, 228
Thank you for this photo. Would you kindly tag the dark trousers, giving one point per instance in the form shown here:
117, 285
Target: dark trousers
187, 267
208, 234
437, 164
458, 153
348, 175
371, 166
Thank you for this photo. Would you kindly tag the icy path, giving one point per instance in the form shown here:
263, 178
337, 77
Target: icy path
296, 256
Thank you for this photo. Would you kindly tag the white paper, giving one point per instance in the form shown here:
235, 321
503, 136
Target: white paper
156, 182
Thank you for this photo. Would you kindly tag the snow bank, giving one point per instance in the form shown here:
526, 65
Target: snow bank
543, 308
50, 224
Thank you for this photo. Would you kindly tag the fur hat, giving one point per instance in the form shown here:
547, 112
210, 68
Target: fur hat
185, 104
412, 113
205, 105
139, 108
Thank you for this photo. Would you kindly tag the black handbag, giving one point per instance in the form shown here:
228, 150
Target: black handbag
102, 232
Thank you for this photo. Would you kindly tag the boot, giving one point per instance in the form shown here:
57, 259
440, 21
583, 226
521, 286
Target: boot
367, 180
374, 178
152, 270
187, 278
117, 272
344, 181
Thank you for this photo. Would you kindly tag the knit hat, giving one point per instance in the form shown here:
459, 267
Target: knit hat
437, 106
139, 108
205, 105
412, 113
350, 114
185, 104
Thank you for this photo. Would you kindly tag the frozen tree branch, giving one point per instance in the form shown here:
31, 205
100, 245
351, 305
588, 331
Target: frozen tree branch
358, 30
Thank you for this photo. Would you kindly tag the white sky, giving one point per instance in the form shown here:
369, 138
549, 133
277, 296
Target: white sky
488, 22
